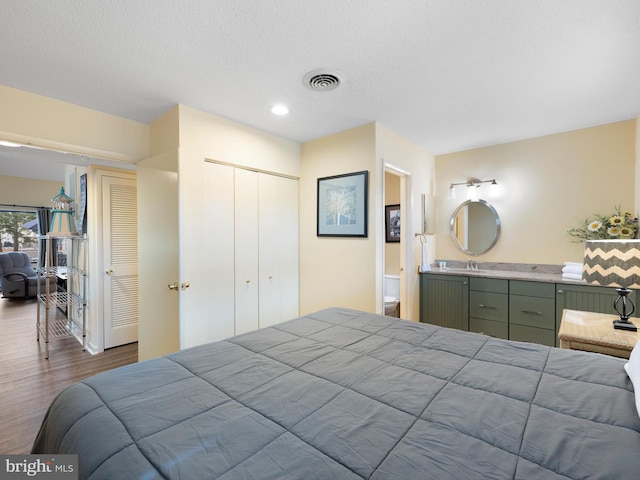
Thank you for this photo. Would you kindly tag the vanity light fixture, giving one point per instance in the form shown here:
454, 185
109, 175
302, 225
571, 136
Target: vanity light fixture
472, 184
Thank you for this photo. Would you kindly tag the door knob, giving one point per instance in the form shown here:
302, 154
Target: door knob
173, 286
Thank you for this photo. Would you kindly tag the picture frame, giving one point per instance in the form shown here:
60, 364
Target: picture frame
392, 223
83, 204
342, 208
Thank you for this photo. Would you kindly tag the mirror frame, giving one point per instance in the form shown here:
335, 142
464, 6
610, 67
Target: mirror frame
453, 234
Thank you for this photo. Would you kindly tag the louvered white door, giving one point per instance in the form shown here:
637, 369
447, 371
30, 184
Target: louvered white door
120, 247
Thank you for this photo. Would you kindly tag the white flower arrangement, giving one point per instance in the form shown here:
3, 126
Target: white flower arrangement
622, 224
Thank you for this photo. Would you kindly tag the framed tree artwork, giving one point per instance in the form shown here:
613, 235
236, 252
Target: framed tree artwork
342, 205
392, 223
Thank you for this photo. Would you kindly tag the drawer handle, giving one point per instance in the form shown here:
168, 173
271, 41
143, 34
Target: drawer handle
486, 306
531, 312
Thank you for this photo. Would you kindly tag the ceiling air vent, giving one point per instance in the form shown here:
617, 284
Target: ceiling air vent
322, 80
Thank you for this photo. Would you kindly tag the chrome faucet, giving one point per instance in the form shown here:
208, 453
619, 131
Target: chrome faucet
471, 265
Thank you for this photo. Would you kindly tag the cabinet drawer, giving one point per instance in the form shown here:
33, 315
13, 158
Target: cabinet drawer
489, 306
489, 327
532, 311
532, 289
542, 336
495, 285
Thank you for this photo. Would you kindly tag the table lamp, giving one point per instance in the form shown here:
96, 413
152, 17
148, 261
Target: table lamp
614, 263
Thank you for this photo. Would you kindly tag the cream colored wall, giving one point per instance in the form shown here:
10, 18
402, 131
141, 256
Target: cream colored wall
208, 136
27, 191
392, 249
41, 121
349, 272
337, 271
548, 185
164, 132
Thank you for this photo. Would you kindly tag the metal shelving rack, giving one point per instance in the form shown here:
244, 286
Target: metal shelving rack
50, 324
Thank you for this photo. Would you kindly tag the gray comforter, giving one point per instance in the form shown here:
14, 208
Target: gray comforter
342, 394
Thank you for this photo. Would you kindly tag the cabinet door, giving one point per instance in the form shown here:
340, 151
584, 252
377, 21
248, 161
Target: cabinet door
587, 298
246, 250
278, 249
444, 300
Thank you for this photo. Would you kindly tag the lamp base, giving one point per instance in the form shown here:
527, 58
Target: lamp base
626, 305
624, 325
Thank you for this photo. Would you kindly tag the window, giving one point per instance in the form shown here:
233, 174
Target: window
19, 232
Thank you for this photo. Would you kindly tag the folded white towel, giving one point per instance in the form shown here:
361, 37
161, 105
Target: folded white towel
577, 269
572, 264
572, 276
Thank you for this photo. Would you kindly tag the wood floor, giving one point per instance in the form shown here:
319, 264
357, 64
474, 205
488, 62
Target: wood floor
29, 382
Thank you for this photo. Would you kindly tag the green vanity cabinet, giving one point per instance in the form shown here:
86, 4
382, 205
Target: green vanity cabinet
587, 298
489, 306
523, 310
532, 312
444, 300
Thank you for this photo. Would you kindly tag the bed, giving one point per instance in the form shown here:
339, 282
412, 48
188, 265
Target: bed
343, 394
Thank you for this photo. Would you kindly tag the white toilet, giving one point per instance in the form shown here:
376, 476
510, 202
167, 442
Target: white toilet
392, 295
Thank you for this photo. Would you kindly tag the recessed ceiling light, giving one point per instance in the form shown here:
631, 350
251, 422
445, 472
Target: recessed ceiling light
5, 143
279, 109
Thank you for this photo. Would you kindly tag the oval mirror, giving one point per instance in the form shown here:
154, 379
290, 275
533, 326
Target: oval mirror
475, 227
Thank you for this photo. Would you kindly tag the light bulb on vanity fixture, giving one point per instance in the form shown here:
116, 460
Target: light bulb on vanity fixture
473, 185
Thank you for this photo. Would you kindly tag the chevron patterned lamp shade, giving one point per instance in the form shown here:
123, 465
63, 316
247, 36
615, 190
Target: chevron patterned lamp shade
614, 263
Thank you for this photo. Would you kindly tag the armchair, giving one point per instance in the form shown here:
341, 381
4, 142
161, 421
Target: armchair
19, 279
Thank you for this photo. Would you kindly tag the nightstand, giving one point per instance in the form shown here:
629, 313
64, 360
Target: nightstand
594, 332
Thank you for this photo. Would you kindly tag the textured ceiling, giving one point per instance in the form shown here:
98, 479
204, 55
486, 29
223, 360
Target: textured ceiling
448, 75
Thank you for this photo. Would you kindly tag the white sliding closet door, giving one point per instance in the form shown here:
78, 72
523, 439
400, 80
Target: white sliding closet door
278, 249
217, 267
250, 259
246, 250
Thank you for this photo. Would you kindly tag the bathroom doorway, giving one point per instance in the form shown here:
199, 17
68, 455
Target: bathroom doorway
396, 209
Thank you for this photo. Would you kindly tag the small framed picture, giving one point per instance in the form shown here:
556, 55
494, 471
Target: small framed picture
392, 223
342, 205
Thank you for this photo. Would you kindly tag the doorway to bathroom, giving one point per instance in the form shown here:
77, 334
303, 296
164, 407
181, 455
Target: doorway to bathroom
394, 244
